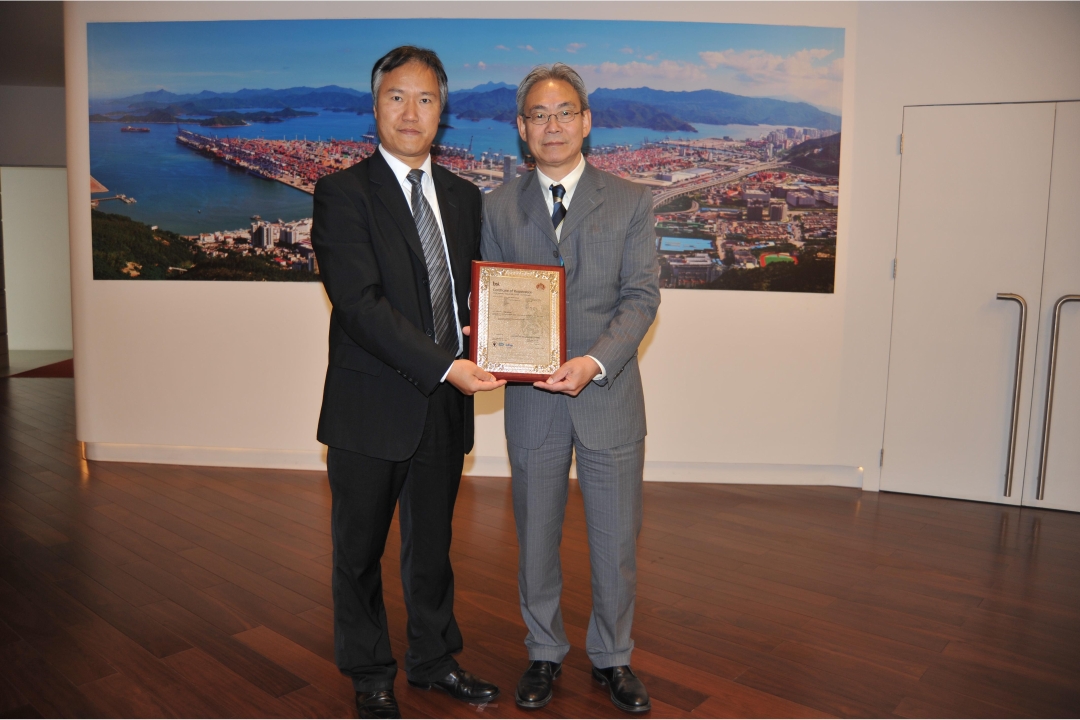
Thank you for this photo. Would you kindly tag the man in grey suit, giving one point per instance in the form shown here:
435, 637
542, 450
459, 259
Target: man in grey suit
600, 228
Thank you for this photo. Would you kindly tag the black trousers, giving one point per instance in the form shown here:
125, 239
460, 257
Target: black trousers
364, 491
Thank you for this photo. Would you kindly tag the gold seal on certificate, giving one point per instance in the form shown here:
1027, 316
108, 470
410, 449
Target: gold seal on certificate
518, 316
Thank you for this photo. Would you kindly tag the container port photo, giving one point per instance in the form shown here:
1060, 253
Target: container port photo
205, 154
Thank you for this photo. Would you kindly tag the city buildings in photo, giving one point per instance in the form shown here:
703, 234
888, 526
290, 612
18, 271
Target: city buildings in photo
205, 149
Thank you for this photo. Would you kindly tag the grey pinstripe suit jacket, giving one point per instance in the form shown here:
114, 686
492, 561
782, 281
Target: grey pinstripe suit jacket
609, 252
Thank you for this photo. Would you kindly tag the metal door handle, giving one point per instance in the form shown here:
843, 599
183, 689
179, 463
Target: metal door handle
1016, 387
1055, 329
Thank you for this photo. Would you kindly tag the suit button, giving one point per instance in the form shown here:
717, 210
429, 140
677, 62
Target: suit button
554, 253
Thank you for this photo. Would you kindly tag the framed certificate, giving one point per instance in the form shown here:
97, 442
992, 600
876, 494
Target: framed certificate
518, 316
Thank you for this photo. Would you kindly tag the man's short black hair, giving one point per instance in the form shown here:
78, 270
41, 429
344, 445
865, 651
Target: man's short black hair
405, 54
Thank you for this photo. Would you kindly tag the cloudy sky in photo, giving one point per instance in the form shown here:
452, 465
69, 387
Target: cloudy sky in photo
779, 61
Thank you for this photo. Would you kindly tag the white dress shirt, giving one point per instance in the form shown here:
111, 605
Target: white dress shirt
569, 183
427, 186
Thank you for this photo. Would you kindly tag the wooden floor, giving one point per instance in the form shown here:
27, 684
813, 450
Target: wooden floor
149, 590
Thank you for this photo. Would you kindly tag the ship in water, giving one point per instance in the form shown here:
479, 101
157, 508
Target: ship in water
129, 128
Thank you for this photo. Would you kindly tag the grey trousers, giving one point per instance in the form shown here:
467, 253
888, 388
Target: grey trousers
610, 483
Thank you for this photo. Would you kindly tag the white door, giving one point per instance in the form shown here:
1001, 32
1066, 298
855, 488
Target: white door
973, 197
1061, 279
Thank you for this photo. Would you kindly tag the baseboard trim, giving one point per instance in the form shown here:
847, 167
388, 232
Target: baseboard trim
721, 473
486, 466
754, 474
478, 465
207, 456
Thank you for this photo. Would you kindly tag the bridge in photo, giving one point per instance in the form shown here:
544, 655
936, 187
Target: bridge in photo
672, 193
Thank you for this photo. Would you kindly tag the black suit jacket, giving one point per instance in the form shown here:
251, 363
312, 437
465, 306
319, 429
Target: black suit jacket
384, 363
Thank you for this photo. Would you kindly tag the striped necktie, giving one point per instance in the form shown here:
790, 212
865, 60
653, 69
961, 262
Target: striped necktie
558, 211
442, 305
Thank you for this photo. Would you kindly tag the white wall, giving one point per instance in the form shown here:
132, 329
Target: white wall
37, 261
170, 373
924, 54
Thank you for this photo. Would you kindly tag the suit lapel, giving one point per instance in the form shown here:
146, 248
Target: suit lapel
448, 210
587, 197
532, 201
392, 197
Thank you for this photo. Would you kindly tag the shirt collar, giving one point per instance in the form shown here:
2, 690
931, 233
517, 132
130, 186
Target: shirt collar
401, 170
569, 182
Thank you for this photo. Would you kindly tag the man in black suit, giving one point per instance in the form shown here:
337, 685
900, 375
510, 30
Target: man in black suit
395, 236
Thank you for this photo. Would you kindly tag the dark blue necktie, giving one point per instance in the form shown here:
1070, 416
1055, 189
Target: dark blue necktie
442, 305
558, 211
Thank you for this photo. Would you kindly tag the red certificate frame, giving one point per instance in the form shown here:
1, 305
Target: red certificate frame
490, 348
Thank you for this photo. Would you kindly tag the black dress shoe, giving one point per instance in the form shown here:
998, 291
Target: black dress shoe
377, 704
628, 693
534, 689
463, 685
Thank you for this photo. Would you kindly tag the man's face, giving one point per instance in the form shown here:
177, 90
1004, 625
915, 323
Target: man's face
407, 112
556, 146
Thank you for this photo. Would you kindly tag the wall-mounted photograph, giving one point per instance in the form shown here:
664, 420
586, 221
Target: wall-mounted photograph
207, 138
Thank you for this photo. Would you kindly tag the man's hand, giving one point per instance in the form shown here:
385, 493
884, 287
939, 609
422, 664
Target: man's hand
470, 379
571, 377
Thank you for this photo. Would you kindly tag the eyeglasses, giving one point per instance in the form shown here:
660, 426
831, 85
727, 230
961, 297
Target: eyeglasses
541, 118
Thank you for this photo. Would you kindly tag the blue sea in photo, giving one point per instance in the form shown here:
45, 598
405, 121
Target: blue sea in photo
185, 192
